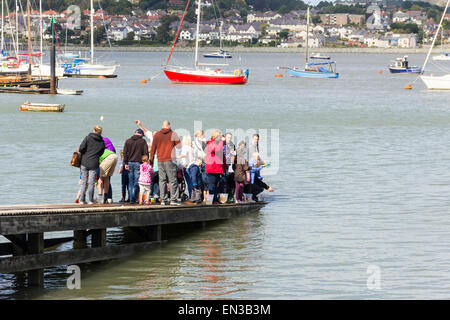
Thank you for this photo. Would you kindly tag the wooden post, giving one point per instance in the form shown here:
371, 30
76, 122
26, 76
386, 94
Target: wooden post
18, 242
35, 245
155, 233
80, 239
201, 224
98, 238
53, 60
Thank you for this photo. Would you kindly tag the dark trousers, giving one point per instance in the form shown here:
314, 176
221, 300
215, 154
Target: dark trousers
124, 184
257, 187
214, 180
154, 184
188, 179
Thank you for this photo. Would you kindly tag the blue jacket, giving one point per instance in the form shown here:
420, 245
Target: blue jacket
196, 176
254, 171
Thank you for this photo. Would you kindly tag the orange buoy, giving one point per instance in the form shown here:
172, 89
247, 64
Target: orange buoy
278, 75
101, 77
144, 81
408, 87
380, 71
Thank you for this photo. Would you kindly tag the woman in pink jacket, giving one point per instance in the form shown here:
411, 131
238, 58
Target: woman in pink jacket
215, 163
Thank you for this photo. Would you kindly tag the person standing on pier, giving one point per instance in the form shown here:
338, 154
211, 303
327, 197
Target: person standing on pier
215, 163
133, 150
154, 185
163, 146
108, 162
91, 150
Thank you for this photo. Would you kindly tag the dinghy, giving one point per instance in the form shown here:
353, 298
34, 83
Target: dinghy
42, 107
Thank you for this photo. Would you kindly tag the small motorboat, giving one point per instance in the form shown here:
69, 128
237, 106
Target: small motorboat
319, 56
218, 54
401, 65
69, 92
442, 57
42, 107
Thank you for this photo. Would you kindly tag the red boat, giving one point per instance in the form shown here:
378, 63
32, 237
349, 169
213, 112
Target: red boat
207, 76
201, 74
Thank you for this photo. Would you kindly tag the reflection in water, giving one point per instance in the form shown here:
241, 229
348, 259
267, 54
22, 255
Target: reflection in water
195, 263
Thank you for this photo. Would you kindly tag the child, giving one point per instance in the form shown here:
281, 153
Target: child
124, 177
195, 175
144, 180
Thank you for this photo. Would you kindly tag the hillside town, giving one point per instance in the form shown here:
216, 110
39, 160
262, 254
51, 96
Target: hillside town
378, 24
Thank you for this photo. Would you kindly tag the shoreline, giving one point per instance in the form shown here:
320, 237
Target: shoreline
240, 49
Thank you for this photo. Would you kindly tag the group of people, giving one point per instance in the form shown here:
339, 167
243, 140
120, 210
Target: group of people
153, 172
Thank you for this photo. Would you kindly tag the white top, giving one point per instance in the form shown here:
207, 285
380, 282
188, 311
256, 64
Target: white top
148, 134
198, 151
188, 159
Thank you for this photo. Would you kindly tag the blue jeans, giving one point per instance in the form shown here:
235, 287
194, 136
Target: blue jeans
133, 179
87, 177
187, 176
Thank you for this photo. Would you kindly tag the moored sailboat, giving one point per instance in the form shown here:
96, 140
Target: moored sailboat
431, 81
83, 67
206, 74
314, 69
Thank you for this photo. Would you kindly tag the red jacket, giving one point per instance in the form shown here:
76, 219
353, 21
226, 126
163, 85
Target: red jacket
215, 157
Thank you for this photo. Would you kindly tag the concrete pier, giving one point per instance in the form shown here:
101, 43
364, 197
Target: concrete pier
25, 226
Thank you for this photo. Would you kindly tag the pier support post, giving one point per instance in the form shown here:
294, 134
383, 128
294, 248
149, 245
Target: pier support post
18, 242
98, 238
201, 224
79, 239
155, 233
35, 245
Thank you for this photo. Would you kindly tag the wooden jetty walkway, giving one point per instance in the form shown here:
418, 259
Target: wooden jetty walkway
25, 225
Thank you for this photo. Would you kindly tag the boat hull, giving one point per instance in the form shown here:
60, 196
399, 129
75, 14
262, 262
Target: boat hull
89, 70
42, 107
312, 74
24, 82
403, 70
437, 83
218, 56
190, 77
442, 57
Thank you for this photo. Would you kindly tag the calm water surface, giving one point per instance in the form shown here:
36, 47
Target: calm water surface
364, 180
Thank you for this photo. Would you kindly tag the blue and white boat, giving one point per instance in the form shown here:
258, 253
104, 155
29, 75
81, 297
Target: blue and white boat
316, 70
82, 67
401, 65
325, 69
222, 54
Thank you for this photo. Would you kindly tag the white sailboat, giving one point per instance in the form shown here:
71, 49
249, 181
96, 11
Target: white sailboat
436, 82
17, 65
82, 67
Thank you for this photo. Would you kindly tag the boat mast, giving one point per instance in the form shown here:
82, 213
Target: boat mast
435, 36
40, 28
2, 41
17, 32
307, 37
29, 37
220, 35
92, 31
198, 31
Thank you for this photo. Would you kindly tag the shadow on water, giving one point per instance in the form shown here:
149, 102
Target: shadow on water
194, 262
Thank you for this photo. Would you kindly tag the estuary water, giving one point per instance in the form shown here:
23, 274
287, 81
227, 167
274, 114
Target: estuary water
360, 168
